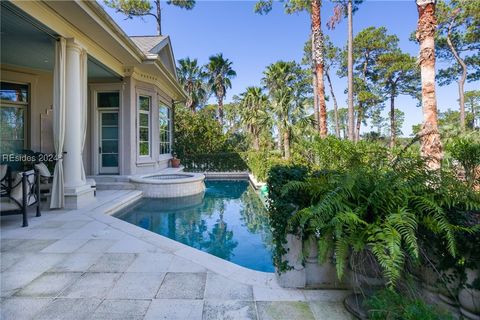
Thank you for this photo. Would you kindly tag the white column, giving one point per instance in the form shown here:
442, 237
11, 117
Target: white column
77, 192
73, 114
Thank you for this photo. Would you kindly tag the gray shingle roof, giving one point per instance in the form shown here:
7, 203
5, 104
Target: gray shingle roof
147, 43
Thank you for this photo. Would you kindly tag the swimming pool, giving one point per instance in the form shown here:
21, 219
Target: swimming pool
228, 221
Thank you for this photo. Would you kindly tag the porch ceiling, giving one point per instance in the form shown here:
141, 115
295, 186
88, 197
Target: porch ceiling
27, 43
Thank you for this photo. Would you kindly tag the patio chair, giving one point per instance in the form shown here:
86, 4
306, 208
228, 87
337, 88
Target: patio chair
23, 193
46, 180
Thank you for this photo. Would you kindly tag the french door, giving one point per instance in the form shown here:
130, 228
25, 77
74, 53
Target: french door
108, 142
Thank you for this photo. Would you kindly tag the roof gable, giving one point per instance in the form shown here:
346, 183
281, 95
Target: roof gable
158, 47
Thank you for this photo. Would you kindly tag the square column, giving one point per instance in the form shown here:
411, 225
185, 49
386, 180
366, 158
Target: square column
77, 192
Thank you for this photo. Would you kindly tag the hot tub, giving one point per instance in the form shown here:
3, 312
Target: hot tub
171, 185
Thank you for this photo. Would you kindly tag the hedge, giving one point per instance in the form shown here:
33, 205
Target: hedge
214, 162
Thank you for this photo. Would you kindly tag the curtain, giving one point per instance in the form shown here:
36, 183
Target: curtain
84, 96
57, 198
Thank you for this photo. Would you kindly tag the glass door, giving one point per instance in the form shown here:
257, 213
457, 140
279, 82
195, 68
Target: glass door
108, 144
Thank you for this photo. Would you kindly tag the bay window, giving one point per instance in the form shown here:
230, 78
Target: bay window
164, 126
144, 145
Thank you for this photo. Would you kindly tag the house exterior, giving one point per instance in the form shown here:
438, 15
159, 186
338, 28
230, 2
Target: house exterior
75, 87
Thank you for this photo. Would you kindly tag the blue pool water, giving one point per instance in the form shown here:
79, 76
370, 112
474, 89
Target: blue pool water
228, 221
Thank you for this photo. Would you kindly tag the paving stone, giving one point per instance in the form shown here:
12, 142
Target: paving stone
96, 246
131, 245
136, 286
284, 310
36, 262
8, 259
121, 309
49, 284
64, 246
173, 309
113, 262
151, 262
330, 310
17, 308
50, 224
180, 264
71, 309
182, 286
34, 245
277, 294
229, 309
76, 262
9, 244
13, 281
221, 288
91, 285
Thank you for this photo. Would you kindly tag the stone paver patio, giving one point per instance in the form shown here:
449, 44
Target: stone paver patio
85, 264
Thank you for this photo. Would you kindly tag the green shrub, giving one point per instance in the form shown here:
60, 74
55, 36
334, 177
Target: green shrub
466, 150
214, 162
390, 305
260, 162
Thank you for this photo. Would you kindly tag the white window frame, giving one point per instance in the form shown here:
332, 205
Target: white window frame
24, 106
149, 114
169, 131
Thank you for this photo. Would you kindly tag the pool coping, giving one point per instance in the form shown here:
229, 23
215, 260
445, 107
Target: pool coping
230, 270
189, 177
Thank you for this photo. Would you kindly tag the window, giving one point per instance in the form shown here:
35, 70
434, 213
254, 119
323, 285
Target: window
144, 103
14, 103
164, 125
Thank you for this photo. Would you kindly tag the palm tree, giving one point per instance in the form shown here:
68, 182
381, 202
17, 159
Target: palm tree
191, 77
253, 112
220, 76
431, 146
286, 84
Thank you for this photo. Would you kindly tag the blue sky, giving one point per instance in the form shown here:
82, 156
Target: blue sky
253, 41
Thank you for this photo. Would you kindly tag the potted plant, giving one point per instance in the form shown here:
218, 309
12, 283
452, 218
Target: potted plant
175, 161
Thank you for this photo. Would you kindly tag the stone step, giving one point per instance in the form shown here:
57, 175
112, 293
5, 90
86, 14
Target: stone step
115, 186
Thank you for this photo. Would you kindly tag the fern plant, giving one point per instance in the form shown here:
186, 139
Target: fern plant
380, 209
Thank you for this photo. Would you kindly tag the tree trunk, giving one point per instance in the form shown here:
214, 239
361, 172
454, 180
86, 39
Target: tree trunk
461, 81
286, 143
318, 62
316, 112
351, 111
335, 105
220, 111
359, 122
393, 124
431, 146
159, 17
256, 141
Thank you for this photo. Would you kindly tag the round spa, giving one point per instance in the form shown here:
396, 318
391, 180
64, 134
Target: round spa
169, 185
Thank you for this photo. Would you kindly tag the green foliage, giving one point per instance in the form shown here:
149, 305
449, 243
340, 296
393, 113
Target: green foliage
260, 162
192, 78
281, 206
466, 150
220, 75
390, 305
198, 133
214, 162
375, 200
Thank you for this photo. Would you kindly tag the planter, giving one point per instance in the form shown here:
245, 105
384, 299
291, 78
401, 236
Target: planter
469, 298
448, 287
175, 163
320, 276
295, 277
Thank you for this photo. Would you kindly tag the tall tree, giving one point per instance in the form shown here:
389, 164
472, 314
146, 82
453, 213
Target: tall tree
286, 84
398, 74
253, 110
192, 78
219, 78
431, 146
142, 8
368, 45
472, 102
345, 9
314, 9
458, 41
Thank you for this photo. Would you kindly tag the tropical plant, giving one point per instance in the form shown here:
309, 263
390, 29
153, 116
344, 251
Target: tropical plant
142, 8
316, 51
288, 91
431, 146
472, 101
191, 76
253, 110
219, 78
466, 150
458, 40
380, 207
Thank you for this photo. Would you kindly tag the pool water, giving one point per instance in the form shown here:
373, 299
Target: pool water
228, 221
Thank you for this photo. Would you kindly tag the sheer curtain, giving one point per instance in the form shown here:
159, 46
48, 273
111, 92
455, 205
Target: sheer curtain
57, 199
83, 120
